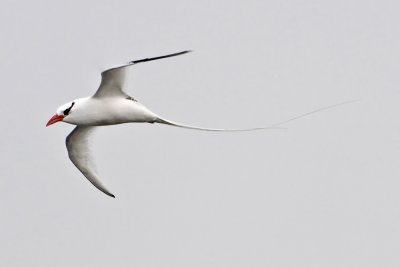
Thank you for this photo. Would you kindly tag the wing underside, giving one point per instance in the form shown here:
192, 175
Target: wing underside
79, 153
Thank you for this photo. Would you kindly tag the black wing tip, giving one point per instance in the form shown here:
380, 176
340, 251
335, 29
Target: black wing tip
109, 194
186, 51
160, 57
130, 63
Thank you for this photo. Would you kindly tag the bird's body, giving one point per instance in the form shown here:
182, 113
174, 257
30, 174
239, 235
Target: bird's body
92, 111
112, 105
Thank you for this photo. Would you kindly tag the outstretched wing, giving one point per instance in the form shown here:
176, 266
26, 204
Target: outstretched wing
112, 80
79, 153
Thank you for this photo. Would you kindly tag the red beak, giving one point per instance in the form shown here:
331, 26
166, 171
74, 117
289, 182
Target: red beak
55, 119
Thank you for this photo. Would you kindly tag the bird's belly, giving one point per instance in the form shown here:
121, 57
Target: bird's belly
121, 113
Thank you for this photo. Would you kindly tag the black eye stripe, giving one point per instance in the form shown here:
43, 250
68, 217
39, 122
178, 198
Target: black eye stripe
66, 112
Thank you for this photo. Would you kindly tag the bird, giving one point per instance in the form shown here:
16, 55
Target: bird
111, 105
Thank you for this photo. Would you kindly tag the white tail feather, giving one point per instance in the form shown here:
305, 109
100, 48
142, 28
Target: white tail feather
270, 127
164, 121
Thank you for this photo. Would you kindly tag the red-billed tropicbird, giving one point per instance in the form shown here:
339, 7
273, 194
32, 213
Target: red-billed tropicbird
112, 105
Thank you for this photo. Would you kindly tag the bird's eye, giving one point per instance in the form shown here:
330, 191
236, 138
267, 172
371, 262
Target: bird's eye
66, 112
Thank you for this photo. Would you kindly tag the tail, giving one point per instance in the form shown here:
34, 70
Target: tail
270, 127
168, 122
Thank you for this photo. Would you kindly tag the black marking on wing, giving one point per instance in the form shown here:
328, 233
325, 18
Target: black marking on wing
130, 63
131, 98
155, 58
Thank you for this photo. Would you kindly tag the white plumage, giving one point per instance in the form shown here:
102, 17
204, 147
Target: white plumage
112, 105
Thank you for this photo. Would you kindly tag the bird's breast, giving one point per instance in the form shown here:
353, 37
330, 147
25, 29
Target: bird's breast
114, 111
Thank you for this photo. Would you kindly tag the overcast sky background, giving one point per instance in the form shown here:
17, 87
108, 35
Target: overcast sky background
324, 192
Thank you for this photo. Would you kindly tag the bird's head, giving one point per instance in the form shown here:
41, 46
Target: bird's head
62, 113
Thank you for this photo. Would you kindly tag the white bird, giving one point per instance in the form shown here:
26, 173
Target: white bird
112, 105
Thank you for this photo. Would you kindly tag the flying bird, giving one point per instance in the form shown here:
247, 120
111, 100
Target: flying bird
112, 105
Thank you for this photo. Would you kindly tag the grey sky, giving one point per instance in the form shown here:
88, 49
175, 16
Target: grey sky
322, 193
